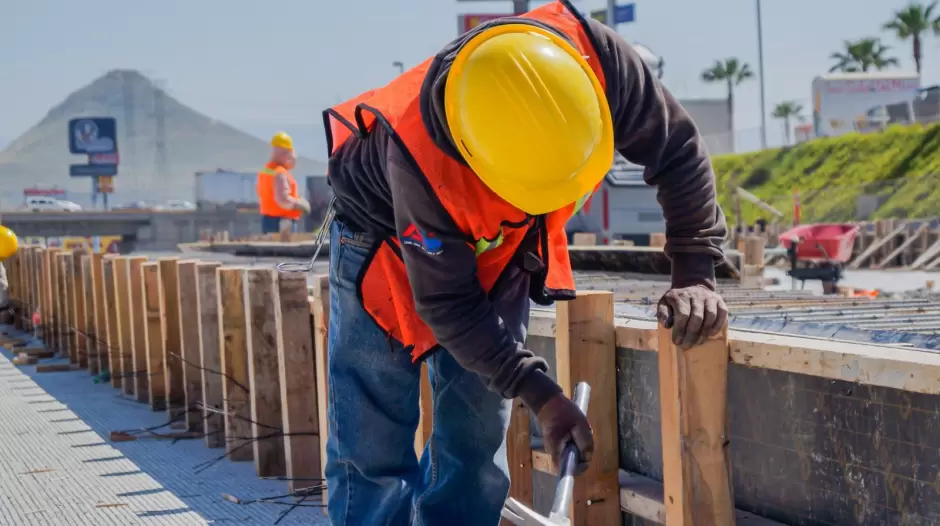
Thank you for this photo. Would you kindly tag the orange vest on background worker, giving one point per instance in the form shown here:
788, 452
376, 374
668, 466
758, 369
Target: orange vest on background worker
265, 187
384, 288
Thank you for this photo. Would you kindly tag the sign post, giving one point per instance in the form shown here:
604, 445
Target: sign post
95, 137
620, 14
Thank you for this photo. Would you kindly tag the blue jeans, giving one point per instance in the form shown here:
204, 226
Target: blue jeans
373, 475
272, 225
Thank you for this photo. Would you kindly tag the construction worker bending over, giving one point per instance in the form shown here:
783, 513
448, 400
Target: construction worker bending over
279, 203
453, 184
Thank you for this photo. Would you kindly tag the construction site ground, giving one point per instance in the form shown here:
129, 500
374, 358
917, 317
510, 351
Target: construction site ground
57, 466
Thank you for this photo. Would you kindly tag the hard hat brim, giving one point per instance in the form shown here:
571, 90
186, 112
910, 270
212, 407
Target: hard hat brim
547, 198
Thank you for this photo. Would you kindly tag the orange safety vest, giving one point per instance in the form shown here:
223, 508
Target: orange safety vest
265, 187
494, 227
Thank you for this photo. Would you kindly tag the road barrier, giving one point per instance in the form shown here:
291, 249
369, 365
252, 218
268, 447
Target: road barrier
236, 356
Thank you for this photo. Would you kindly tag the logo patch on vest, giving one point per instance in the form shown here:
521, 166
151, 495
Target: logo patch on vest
423, 240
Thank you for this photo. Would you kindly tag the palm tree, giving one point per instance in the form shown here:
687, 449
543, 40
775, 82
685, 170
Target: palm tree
785, 111
913, 22
731, 71
862, 55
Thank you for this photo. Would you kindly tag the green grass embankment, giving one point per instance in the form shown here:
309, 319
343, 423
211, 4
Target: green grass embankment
900, 165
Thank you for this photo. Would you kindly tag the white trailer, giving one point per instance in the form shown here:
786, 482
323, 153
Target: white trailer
848, 102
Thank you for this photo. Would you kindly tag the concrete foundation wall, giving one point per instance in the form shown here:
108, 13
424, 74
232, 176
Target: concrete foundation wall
169, 230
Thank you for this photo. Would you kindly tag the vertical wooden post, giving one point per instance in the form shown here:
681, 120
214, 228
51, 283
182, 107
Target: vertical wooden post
262, 306
115, 363
49, 312
88, 298
210, 353
519, 455
79, 294
172, 356
46, 296
585, 350
138, 320
298, 378
58, 313
154, 329
125, 343
236, 398
67, 282
101, 315
693, 396
320, 309
189, 343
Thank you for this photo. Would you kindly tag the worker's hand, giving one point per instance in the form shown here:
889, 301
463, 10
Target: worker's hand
693, 313
562, 422
304, 205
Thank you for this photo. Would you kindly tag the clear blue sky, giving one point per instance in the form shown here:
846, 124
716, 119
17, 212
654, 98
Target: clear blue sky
268, 68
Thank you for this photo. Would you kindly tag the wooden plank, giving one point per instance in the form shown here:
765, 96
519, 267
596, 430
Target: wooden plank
911, 238
172, 353
585, 350
101, 316
693, 398
210, 353
125, 329
88, 293
58, 313
80, 295
236, 398
857, 262
926, 256
188, 295
48, 313
519, 456
138, 320
154, 330
298, 379
262, 305
643, 497
68, 305
115, 364
881, 365
320, 310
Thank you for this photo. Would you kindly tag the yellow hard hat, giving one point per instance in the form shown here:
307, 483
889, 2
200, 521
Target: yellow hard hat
282, 140
8, 243
529, 116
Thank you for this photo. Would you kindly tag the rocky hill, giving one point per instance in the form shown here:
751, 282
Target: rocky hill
897, 169
193, 142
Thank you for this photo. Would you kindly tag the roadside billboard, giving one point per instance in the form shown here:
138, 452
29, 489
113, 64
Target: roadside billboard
847, 102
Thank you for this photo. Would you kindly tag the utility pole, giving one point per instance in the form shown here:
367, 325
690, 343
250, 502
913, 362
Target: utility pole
520, 6
760, 65
612, 14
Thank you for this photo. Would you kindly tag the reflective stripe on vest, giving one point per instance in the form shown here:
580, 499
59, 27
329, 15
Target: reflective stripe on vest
494, 228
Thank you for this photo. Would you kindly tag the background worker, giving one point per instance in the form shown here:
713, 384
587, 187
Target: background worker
278, 200
454, 184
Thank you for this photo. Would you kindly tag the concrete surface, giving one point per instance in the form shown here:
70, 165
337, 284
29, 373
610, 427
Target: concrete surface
57, 467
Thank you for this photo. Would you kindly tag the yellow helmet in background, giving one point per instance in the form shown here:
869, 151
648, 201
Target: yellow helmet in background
529, 116
282, 140
8, 243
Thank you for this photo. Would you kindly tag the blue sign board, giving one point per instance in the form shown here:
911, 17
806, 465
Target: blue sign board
92, 170
93, 135
624, 14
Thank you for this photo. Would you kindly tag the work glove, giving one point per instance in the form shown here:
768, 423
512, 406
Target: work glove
693, 313
562, 422
303, 205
